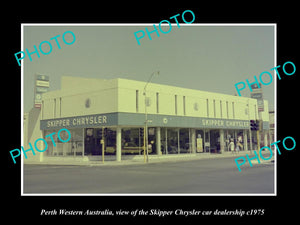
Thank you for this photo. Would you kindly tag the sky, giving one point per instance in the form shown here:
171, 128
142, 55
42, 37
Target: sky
204, 57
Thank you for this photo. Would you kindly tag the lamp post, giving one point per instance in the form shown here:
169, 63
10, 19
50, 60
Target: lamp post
146, 118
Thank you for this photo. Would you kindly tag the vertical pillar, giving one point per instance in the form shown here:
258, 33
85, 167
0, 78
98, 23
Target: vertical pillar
158, 143
193, 141
271, 140
64, 148
245, 139
118, 144
235, 136
222, 142
250, 136
265, 138
83, 140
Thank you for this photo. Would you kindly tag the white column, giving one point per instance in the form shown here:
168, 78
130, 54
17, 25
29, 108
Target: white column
118, 144
193, 141
250, 136
222, 142
158, 143
265, 138
83, 140
245, 139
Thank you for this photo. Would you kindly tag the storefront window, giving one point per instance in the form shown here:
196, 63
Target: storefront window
74, 147
237, 136
172, 141
254, 140
214, 141
184, 143
164, 140
93, 141
240, 140
152, 141
51, 149
229, 136
76, 142
133, 141
110, 141
206, 141
89, 141
199, 141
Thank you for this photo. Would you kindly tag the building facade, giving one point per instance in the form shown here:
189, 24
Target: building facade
178, 120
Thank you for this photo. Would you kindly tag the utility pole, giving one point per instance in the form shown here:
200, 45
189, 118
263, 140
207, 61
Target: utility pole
146, 118
102, 142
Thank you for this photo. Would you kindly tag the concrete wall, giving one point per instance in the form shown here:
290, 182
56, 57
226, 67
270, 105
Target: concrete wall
196, 102
121, 95
85, 98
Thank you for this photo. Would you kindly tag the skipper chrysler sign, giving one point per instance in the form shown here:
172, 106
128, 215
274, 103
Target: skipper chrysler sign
138, 120
79, 121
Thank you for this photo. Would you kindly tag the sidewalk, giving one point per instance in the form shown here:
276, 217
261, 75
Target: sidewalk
139, 159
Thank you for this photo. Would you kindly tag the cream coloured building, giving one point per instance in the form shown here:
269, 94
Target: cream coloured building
179, 120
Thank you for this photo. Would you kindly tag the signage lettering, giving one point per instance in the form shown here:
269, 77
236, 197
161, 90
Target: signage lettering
221, 123
78, 121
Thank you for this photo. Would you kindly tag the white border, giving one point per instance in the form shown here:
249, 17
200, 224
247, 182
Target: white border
151, 24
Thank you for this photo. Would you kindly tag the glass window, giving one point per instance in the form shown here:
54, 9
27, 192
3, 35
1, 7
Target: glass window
214, 141
93, 141
184, 141
133, 141
76, 142
51, 149
164, 140
206, 141
172, 141
110, 141
199, 141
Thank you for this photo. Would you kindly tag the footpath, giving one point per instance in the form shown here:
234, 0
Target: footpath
139, 159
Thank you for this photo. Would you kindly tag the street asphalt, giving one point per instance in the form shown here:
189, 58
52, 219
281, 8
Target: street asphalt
206, 176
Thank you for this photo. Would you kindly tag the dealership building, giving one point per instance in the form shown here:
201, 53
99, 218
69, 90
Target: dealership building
116, 111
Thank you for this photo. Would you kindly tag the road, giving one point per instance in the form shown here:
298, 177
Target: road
206, 176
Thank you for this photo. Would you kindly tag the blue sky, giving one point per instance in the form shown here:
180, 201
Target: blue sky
209, 58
